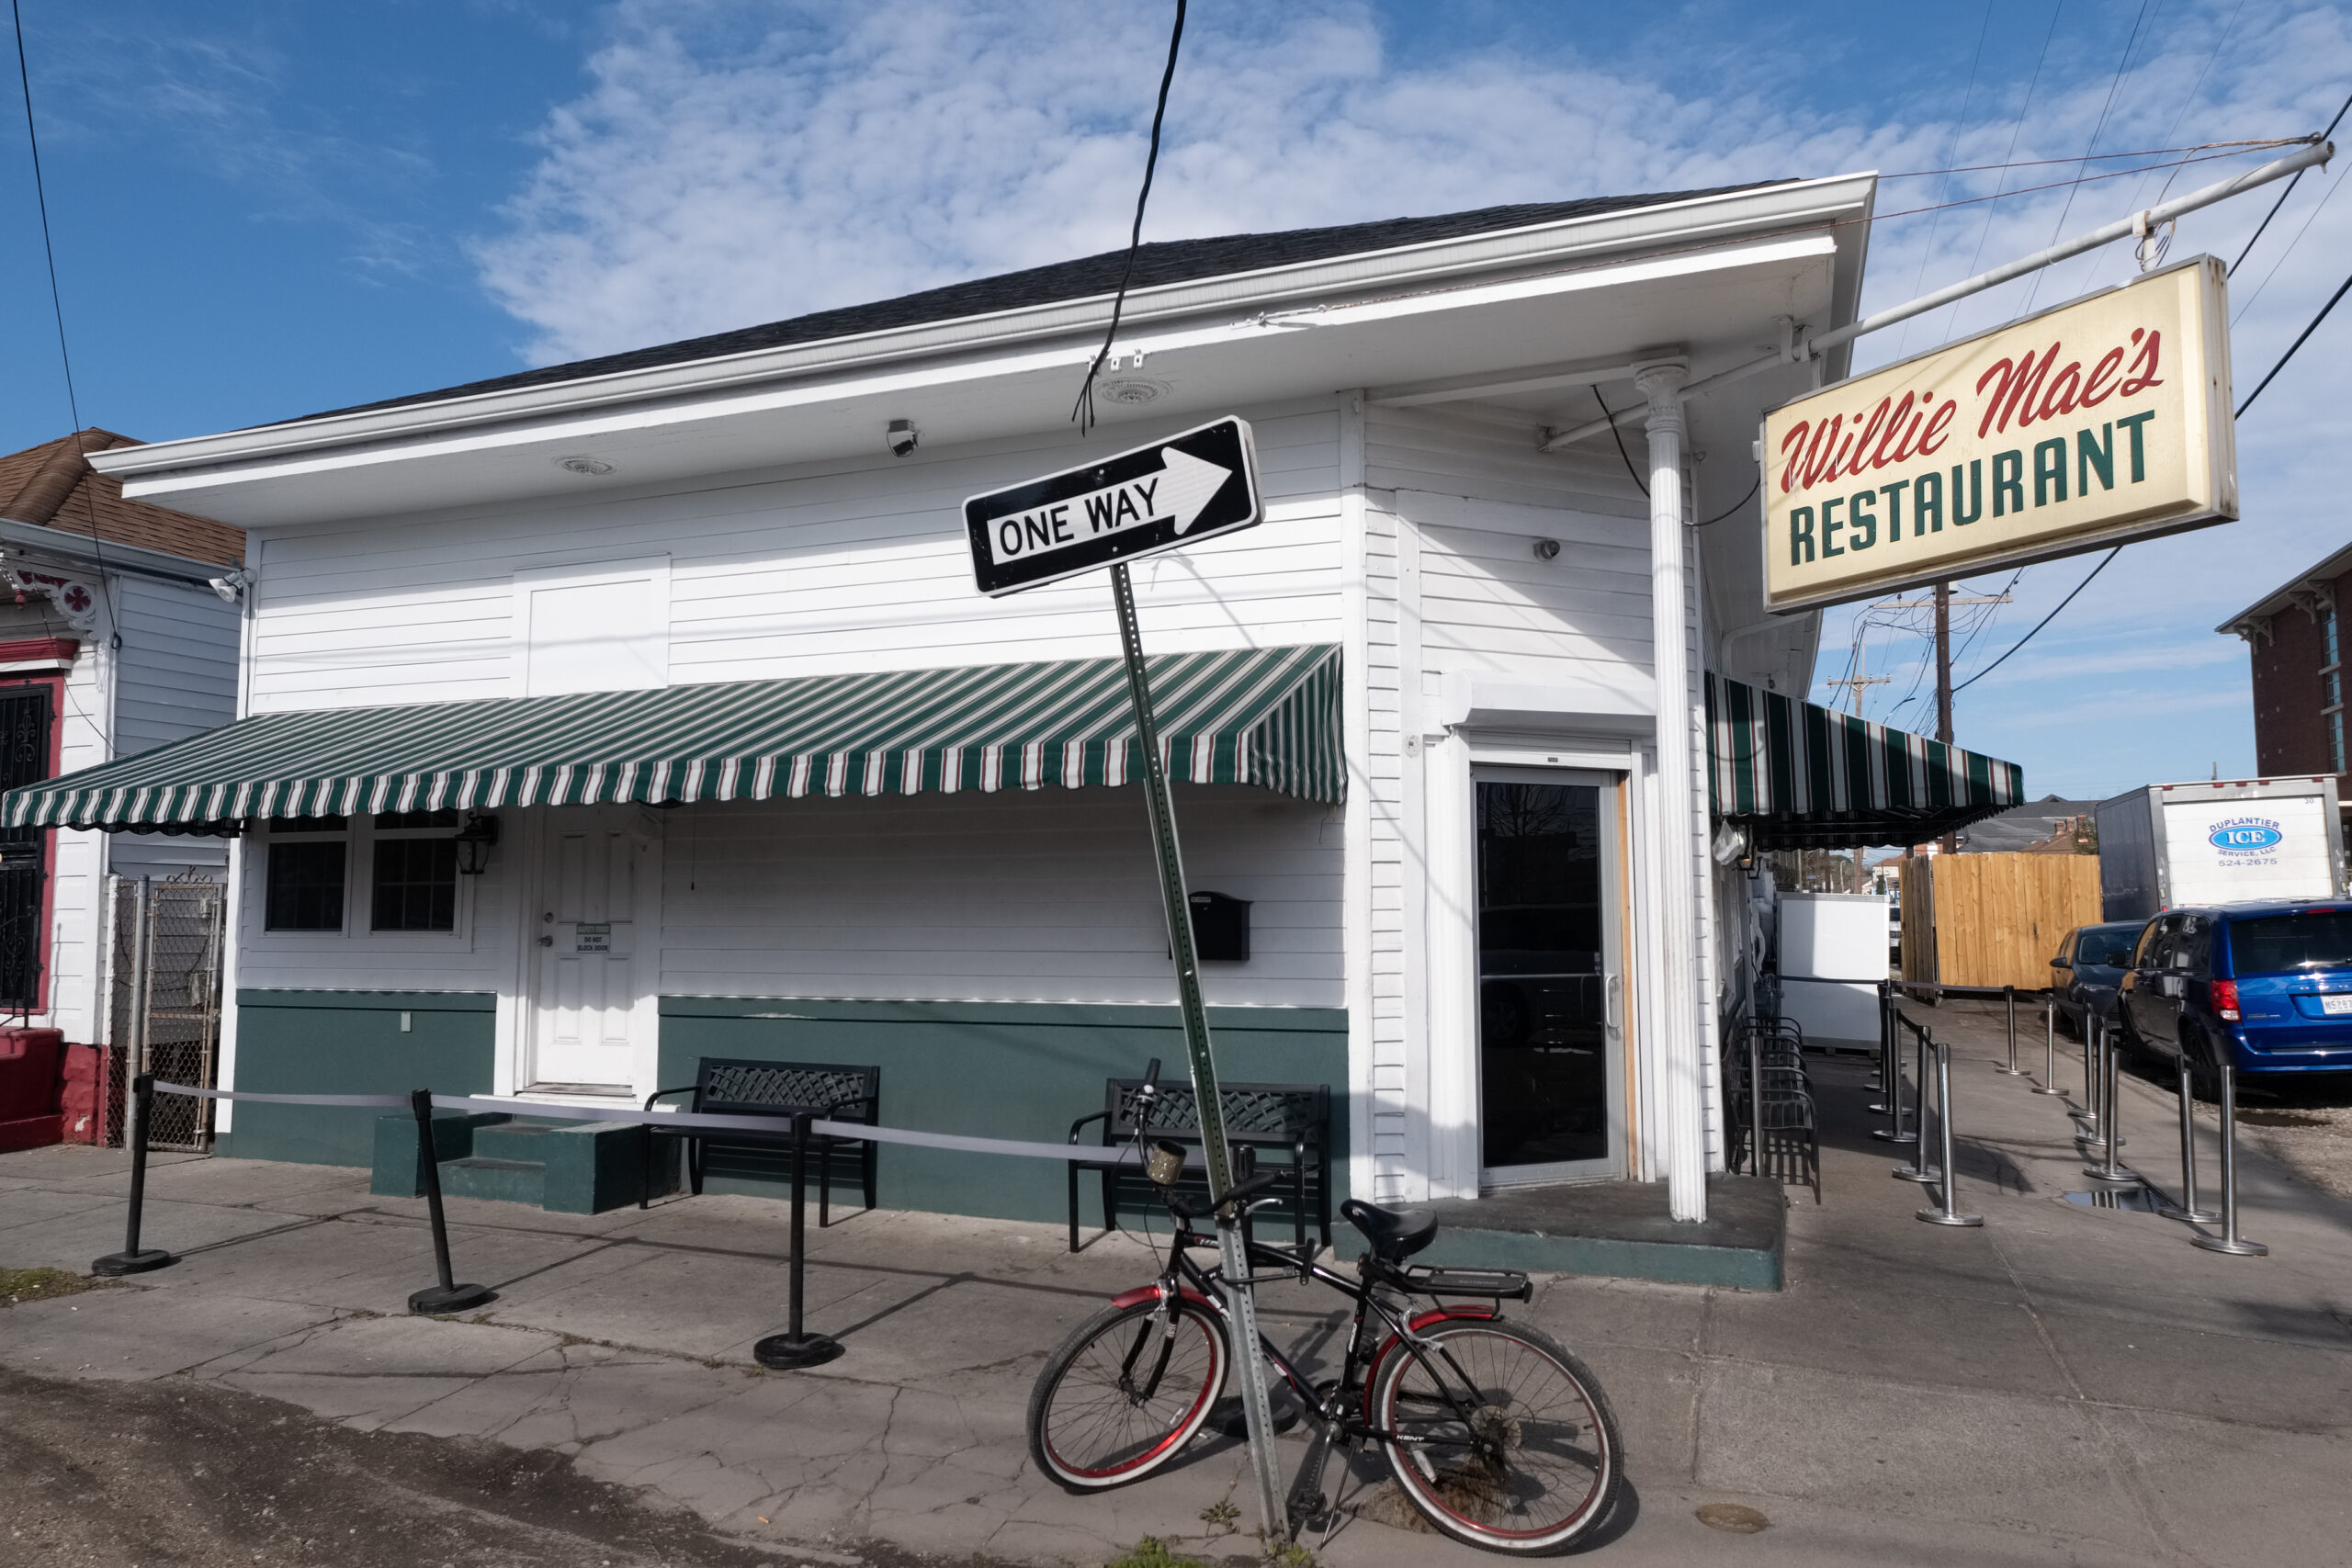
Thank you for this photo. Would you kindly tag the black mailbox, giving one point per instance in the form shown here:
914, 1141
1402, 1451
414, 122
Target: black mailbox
1220, 928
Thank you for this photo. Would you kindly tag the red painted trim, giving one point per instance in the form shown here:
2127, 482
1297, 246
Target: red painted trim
24, 650
56, 685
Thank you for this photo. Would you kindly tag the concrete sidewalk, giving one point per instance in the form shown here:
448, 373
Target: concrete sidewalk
2068, 1384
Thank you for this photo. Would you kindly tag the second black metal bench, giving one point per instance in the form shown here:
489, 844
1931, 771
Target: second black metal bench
734, 1086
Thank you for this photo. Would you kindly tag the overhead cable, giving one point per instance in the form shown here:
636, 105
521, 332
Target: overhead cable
2307, 331
2045, 620
1083, 411
2283, 195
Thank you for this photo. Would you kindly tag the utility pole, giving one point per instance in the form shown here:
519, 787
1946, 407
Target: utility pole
1858, 680
1943, 684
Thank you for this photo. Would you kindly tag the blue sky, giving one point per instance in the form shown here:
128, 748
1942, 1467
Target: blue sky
267, 208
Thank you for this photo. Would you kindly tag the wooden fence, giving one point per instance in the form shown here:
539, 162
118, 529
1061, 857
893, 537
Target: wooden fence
1993, 919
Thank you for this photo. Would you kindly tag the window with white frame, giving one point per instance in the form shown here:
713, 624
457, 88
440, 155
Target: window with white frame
308, 869
395, 873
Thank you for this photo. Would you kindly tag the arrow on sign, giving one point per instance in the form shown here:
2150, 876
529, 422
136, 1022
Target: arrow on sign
1178, 492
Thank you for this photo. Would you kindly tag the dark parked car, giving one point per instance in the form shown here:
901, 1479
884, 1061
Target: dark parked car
2089, 966
2267, 986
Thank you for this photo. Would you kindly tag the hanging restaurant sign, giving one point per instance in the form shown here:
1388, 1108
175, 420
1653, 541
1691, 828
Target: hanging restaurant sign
2102, 420
1172, 492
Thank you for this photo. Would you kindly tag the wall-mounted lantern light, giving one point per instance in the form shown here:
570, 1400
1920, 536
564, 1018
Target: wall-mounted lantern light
474, 840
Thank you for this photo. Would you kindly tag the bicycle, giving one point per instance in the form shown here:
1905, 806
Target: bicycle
1496, 1434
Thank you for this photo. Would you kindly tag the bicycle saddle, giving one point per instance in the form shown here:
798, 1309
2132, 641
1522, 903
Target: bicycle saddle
1395, 1234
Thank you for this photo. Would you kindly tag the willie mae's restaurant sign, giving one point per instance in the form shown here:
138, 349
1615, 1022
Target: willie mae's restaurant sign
2103, 420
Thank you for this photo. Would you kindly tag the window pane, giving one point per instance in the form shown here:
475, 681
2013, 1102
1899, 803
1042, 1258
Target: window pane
308, 824
305, 887
2275, 943
416, 884
2335, 740
2327, 637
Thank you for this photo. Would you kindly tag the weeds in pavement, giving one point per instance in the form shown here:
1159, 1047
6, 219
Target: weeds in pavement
44, 1284
1220, 1516
1152, 1553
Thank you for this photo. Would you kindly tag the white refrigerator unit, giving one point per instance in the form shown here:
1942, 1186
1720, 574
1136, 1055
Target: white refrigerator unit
1833, 958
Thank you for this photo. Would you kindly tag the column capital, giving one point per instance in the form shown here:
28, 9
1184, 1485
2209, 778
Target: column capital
1660, 383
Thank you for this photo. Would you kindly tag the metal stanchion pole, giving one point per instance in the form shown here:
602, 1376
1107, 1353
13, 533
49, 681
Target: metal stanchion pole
448, 1296
1883, 1070
2186, 1208
2110, 1119
1919, 1169
1893, 1132
2229, 1241
1755, 1103
2048, 1084
2086, 1119
132, 1259
795, 1347
1945, 1212
2010, 996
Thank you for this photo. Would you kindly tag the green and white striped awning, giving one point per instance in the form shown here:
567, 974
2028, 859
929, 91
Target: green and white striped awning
1799, 776
1266, 717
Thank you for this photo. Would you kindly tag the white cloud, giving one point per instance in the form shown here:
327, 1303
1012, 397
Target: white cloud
734, 164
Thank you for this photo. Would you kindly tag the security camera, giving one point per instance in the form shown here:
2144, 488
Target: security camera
1547, 549
901, 437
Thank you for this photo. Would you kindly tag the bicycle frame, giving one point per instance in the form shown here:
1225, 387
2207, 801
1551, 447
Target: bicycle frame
1361, 1363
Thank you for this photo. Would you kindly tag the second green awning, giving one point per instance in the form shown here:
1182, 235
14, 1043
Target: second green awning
1799, 776
1262, 716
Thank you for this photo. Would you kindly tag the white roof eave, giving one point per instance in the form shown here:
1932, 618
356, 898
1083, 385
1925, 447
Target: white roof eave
1842, 200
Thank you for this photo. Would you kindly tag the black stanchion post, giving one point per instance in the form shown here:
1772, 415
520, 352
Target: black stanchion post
133, 1260
795, 1347
448, 1295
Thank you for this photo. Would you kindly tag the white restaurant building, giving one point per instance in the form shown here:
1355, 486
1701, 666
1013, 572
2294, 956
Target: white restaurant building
770, 778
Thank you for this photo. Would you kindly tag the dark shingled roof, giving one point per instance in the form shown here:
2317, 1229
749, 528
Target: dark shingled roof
2021, 827
1168, 261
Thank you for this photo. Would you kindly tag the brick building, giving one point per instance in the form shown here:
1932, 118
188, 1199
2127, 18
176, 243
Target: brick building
2298, 677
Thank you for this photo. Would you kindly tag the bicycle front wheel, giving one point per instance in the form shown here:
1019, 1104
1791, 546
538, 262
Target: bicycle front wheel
1124, 1393
1503, 1439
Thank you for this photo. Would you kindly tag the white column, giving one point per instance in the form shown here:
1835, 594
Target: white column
1674, 912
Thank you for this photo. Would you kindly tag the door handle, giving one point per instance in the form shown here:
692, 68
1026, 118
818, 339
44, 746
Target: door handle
1613, 993
547, 941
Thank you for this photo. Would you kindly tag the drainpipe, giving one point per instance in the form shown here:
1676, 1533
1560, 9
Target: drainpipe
1674, 912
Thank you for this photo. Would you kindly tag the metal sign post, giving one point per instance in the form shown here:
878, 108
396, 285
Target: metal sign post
1158, 496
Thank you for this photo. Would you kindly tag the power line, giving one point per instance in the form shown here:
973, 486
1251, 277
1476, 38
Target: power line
2045, 620
2096, 131
2307, 331
2283, 195
1986, 232
1958, 124
2308, 219
1083, 409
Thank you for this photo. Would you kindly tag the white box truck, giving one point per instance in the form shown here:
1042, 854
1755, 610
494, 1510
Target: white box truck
2228, 842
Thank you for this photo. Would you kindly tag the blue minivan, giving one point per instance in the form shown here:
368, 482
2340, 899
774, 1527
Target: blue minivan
2270, 985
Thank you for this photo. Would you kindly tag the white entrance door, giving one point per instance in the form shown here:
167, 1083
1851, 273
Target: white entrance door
590, 948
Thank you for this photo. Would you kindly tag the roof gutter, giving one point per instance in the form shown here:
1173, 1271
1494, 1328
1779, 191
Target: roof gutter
1796, 205
97, 555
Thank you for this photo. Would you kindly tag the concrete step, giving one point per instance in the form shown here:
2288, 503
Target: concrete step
507, 1181
570, 1168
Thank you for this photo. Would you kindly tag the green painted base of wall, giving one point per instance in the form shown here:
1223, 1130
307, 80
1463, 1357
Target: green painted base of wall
350, 1042
568, 1167
999, 1070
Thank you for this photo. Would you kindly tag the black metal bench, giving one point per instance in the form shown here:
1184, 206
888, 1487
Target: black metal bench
1291, 1117
734, 1086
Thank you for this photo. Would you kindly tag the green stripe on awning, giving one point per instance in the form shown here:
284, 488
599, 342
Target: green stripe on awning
1799, 777
1263, 716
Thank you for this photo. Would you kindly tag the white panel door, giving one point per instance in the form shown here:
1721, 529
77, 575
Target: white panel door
589, 937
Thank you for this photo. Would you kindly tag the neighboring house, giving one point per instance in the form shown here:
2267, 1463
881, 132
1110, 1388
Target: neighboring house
2297, 653
608, 716
111, 643
2038, 825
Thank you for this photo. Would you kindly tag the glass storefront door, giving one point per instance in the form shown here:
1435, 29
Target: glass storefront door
1550, 994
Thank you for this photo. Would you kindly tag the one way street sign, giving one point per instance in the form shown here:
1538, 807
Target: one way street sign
1188, 487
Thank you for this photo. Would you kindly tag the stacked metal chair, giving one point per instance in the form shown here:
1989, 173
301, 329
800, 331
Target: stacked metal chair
1791, 1144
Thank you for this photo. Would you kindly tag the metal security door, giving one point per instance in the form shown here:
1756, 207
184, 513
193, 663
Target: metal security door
586, 950
24, 874
163, 1004
1551, 987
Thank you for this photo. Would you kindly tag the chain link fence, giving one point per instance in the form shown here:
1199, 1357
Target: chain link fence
163, 1006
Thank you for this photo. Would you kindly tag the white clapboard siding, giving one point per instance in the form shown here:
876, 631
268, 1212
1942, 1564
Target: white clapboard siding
1040, 896
811, 570
175, 675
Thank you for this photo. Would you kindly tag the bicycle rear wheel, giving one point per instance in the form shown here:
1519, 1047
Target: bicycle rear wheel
1124, 1395
1510, 1444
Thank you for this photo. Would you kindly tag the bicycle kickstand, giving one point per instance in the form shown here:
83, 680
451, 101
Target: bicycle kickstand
1306, 1506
